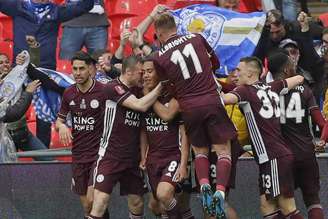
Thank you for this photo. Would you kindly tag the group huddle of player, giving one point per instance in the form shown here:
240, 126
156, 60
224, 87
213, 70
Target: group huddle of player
159, 106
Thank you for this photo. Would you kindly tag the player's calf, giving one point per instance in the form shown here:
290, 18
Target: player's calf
136, 206
100, 204
165, 194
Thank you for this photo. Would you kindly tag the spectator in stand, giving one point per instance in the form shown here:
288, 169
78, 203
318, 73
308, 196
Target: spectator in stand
136, 39
41, 18
277, 29
11, 114
313, 73
232, 5
17, 128
89, 30
104, 65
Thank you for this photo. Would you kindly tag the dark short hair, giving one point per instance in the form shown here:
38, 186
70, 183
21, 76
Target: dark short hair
277, 61
96, 54
165, 21
130, 62
83, 56
253, 60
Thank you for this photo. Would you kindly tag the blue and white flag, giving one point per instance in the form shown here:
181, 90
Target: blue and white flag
47, 102
232, 35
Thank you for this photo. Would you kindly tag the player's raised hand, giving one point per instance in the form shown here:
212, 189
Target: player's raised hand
125, 35
158, 10
65, 135
104, 64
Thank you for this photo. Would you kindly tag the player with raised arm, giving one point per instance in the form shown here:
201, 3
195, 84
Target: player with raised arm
168, 148
296, 107
260, 104
188, 62
85, 102
119, 152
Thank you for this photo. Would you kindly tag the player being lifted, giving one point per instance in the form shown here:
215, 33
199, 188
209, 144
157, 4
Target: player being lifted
275, 160
296, 107
188, 62
166, 162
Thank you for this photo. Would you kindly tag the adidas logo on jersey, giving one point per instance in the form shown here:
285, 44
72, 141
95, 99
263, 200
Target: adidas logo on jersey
267, 191
168, 174
72, 103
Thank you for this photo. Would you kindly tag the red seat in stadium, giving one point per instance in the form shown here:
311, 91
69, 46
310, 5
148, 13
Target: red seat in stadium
7, 23
6, 47
324, 19
250, 6
174, 4
64, 66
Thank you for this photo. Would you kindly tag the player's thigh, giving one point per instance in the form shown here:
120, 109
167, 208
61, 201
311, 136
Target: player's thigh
195, 124
219, 127
100, 201
80, 178
276, 178
268, 206
307, 178
138, 187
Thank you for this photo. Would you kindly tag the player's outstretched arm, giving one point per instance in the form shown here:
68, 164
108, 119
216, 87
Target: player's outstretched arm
294, 81
229, 98
145, 102
166, 113
143, 149
65, 135
182, 173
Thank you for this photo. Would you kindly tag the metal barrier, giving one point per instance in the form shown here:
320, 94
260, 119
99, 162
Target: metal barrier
42, 191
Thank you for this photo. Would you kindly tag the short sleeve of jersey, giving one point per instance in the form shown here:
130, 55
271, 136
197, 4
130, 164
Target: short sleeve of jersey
309, 98
280, 87
117, 93
241, 93
64, 107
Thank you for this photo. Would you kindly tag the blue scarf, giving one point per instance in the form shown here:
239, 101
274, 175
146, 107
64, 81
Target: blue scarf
39, 9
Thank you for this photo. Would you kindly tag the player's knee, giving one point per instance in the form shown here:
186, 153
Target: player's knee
135, 204
288, 206
165, 193
200, 150
267, 206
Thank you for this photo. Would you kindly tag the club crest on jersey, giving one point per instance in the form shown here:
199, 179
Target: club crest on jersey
119, 89
94, 104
